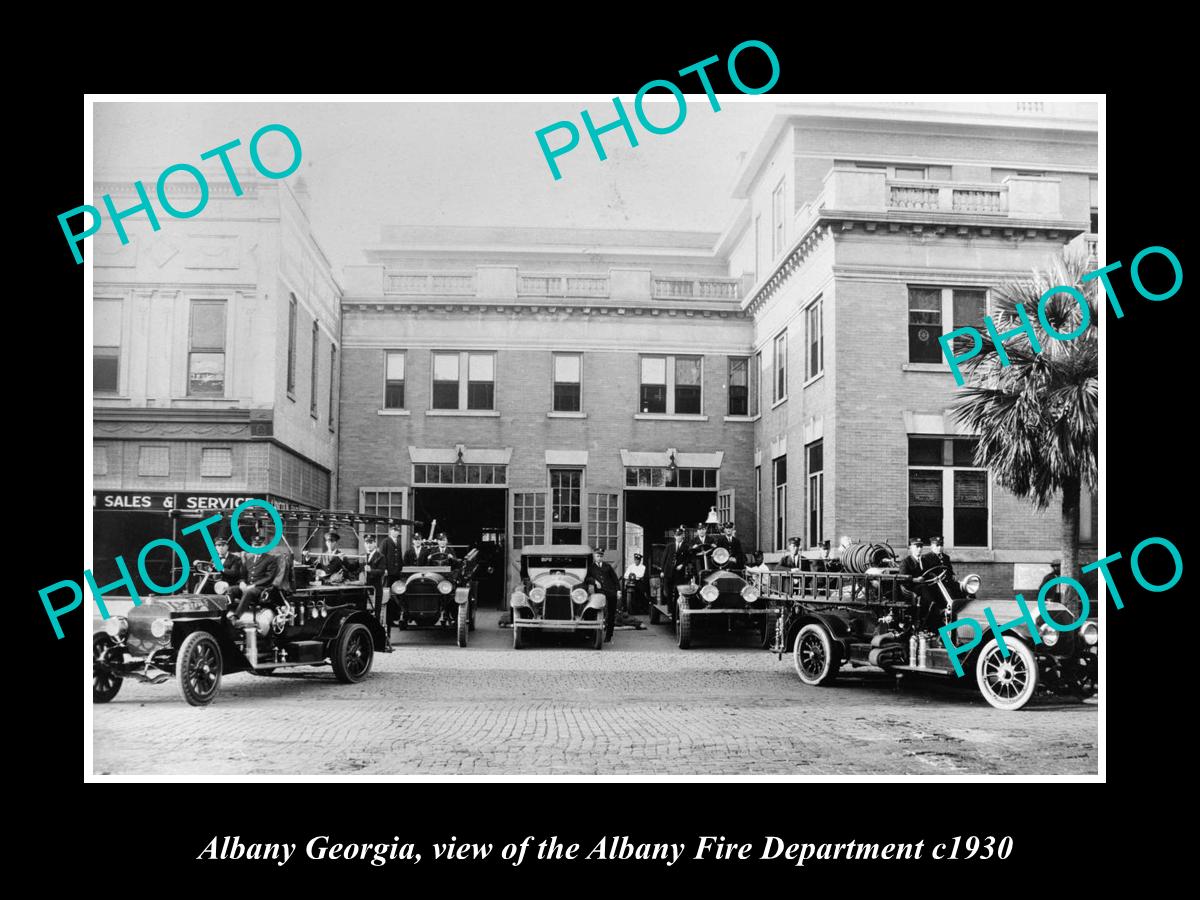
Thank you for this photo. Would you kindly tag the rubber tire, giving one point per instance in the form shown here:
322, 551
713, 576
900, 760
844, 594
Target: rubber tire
341, 645
519, 641
655, 615
598, 640
195, 640
113, 683
471, 620
464, 627
830, 670
683, 627
1019, 649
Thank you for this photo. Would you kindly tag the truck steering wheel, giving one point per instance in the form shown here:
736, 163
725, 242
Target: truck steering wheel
936, 575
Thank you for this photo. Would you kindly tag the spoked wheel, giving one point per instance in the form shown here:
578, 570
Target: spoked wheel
813, 655
683, 627
464, 620
198, 668
105, 682
353, 654
1007, 683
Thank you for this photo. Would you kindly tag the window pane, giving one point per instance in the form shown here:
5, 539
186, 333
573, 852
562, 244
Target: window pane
566, 368
393, 396
924, 502
106, 323
481, 367
631, 478
738, 370
925, 451
816, 457
754, 377
208, 325
710, 478
654, 370
687, 370
687, 385
419, 474
970, 308
291, 358
964, 451
106, 364
206, 373
395, 367
924, 325
445, 367
480, 395
970, 509
687, 399
654, 398
566, 397
445, 395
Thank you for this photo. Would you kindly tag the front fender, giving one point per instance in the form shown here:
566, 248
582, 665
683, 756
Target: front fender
340, 618
462, 596
838, 627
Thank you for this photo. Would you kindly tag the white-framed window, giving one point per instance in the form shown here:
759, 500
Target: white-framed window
779, 368
567, 382
381, 501
948, 495
756, 384
778, 230
206, 349
106, 346
464, 379
779, 471
671, 385
293, 324
814, 347
216, 462
333, 372
739, 385
603, 522
725, 506
393, 380
814, 461
566, 506
528, 518
316, 366
469, 474
934, 311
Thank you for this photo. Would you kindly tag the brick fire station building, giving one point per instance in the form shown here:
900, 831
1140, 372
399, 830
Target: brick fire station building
603, 386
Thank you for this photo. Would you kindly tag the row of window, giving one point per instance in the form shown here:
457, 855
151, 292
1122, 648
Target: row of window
155, 460
206, 352
670, 385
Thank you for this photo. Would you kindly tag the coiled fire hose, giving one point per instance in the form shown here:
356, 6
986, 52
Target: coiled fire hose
858, 557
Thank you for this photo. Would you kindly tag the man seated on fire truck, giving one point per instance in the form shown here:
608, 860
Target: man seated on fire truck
262, 573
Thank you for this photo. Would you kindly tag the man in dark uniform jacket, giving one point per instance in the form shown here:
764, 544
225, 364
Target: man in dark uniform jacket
936, 556
393, 561
729, 541
937, 601
911, 566
439, 555
263, 570
234, 567
674, 567
605, 578
331, 562
791, 559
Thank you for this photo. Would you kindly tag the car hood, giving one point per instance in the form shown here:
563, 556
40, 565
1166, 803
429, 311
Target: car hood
178, 605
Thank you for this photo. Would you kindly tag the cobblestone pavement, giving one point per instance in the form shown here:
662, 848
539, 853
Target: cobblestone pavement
640, 706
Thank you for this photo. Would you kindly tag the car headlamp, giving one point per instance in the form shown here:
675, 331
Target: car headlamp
160, 628
579, 595
709, 593
445, 586
720, 556
1049, 634
399, 587
116, 627
1090, 632
537, 595
971, 584
750, 593
221, 587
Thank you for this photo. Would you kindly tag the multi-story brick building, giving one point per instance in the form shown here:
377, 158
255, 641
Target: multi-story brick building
567, 384
215, 364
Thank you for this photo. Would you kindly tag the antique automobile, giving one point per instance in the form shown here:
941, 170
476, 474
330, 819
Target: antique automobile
721, 594
556, 595
189, 636
441, 595
878, 618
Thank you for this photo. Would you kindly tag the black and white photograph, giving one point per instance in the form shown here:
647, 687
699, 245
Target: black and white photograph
518, 437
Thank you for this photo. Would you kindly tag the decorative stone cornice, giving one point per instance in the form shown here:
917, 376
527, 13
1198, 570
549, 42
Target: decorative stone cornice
800, 253
523, 307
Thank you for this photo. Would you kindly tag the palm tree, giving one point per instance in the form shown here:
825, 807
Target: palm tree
1038, 417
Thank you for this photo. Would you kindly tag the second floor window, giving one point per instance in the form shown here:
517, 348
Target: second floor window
312, 381
293, 315
566, 486
568, 376
332, 383
206, 348
933, 312
393, 385
777, 207
452, 391
816, 341
739, 386
671, 385
779, 381
106, 345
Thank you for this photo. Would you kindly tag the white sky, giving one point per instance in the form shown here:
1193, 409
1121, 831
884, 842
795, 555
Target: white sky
440, 163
